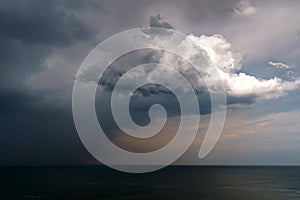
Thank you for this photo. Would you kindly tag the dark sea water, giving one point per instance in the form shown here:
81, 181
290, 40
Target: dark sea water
170, 183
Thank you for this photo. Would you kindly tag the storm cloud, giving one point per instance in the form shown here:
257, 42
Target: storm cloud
42, 45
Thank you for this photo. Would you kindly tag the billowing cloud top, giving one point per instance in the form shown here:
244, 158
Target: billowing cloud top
212, 51
237, 83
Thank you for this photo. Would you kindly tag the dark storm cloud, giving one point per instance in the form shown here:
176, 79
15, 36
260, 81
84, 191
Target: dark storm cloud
32, 130
158, 21
19, 61
35, 133
149, 94
31, 30
241, 100
120, 66
42, 22
203, 16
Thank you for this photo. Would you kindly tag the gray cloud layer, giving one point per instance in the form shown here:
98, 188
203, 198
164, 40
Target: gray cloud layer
43, 43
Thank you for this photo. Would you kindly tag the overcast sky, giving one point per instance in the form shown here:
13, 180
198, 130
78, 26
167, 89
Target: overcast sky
254, 44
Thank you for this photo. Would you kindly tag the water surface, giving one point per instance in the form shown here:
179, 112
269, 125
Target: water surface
175, 182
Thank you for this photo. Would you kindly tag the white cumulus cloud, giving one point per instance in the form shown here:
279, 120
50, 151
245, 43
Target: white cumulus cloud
209, 53
228, 62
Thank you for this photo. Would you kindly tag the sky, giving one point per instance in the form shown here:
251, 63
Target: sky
254, 44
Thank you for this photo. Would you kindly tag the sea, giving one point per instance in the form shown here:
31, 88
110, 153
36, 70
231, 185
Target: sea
173, 182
